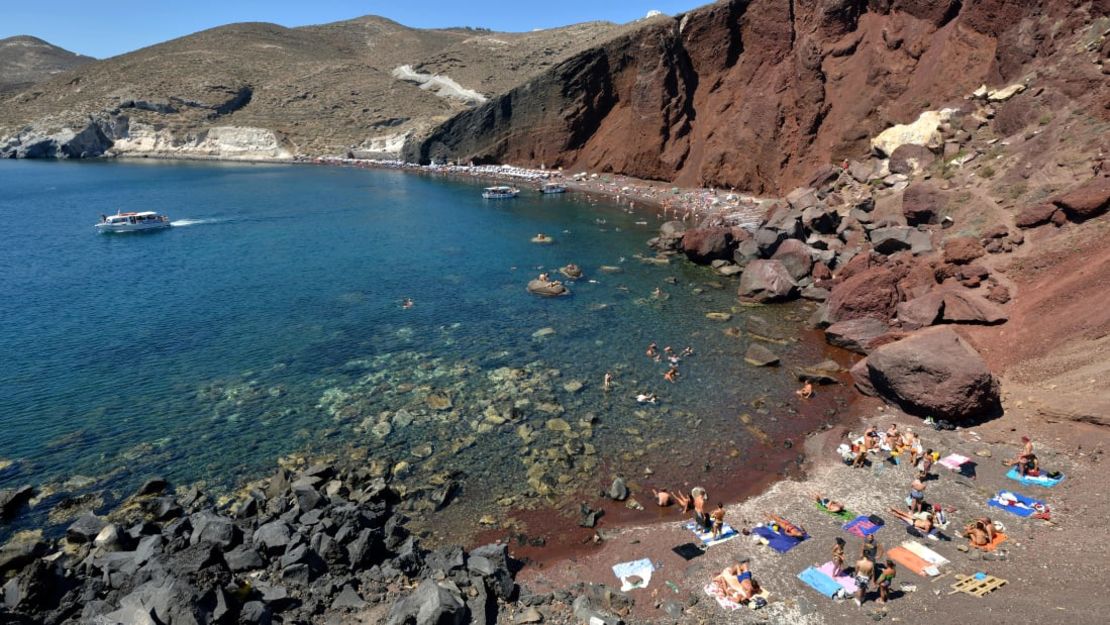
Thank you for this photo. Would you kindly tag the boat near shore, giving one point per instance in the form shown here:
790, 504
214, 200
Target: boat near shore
550, 188
500, 193
132, 222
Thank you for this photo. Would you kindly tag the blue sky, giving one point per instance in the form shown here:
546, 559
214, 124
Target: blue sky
107, 29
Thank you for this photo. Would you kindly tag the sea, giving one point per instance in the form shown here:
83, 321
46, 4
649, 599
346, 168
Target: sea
267, 326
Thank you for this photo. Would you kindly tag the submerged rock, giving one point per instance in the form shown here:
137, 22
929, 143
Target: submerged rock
760, 356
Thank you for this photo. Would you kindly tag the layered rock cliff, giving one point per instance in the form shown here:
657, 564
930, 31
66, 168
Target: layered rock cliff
754, 94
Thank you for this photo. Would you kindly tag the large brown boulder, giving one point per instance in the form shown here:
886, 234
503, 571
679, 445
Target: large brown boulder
910, 159
766, 281
705, 245
962, 306
1032, 216
962, 250
934, 373
858, 335
870, 293
1090, 199
922, 203
796, 257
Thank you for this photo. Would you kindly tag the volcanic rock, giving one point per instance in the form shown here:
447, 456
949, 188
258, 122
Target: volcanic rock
870, 293
760, 356
11, 499
934, 372
1088, 200
766, 281
795, 256
1035, 215
703, 245
922, 203
962, 250
858, 335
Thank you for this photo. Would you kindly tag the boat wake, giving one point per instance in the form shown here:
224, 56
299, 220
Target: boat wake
177, 223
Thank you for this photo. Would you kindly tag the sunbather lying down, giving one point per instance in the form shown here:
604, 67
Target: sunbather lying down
736, 582
922, 521
787, 527
828, 504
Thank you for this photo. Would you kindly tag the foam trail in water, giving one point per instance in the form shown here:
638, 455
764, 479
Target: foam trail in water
194, 222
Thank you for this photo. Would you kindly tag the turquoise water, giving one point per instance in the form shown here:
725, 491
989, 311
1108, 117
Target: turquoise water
268, 321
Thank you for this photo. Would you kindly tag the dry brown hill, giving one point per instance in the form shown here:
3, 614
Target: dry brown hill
319, 90
27, 60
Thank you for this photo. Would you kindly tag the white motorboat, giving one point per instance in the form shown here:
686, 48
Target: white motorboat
552, 187
499, 193
132, 222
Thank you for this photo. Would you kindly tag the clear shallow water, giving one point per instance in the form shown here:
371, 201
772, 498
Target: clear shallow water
268, 321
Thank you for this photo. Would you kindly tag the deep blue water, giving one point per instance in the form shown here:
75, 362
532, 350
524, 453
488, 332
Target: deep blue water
206, 351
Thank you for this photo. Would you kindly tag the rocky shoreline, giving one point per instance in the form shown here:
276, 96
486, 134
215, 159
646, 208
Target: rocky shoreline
291, 548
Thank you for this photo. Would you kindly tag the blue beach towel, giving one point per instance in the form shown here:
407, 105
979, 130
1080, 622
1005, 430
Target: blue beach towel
861, 526
706, 537
1040, 480
779, 542
1026, 510
820, 582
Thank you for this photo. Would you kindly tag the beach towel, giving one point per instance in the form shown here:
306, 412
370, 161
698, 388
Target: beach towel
861, 526
847, 582
637, 568
1024, 506
992, 545
953, 461
779, 542
728, 604
844, 515
925, 553
1040, 480
706, 537
906, 558
820, 582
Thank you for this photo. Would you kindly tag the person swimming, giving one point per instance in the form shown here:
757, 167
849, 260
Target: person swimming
806, 391
407, 303
671, 375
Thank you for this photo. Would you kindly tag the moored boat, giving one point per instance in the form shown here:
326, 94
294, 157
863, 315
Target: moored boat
132, 222
500, 193
552, 187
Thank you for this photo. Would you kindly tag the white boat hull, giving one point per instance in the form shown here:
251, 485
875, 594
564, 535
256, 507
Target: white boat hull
130, 227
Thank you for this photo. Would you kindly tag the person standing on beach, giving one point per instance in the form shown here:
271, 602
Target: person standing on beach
838, 557
865, 573
886, 578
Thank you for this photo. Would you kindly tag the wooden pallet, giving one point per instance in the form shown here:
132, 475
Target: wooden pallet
977, 587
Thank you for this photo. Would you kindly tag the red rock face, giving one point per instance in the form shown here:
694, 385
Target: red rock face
962, 250
704, 245
753, 94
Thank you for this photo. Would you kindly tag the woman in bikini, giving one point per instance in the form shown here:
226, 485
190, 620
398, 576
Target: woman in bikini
886, 578
921, 521
787, 527
838, 557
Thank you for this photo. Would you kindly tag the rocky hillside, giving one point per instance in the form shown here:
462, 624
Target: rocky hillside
754, 94
265, 91
28, 60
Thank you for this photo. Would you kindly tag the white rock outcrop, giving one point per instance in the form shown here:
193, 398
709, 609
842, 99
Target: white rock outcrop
442, 86
925, 130
223, 142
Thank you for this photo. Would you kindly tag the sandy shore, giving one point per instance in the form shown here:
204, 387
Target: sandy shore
1052, 567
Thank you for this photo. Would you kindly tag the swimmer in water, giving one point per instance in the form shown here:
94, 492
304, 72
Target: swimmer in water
806, 391
651, 350
608, 382
671, 375
646, 398
407, 303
